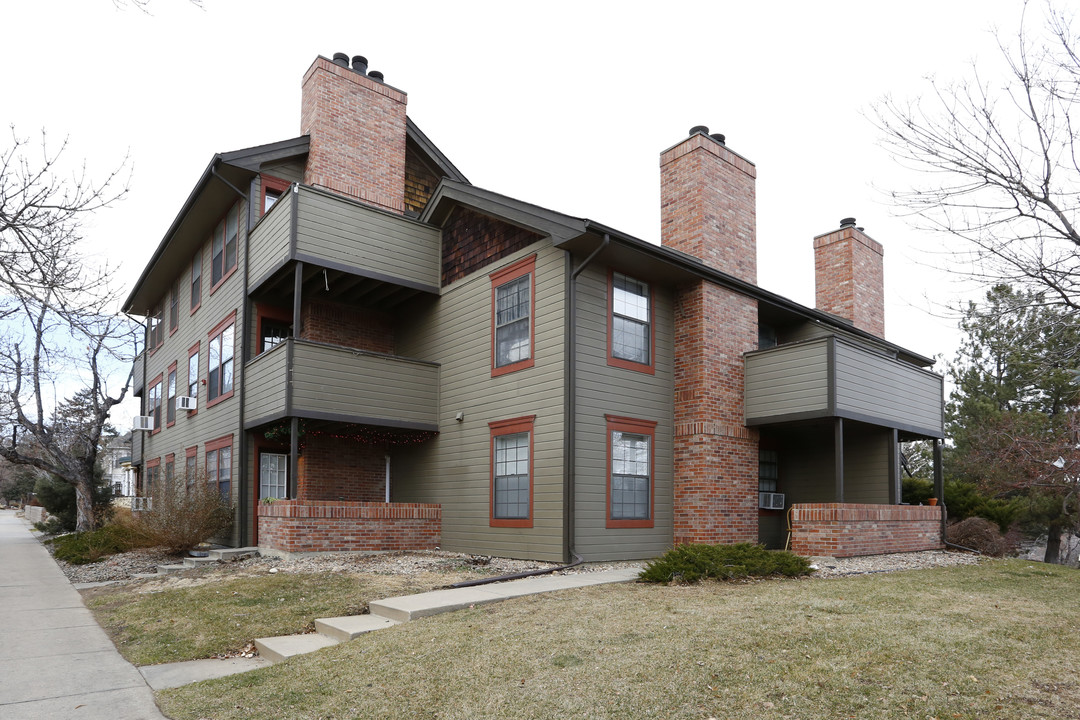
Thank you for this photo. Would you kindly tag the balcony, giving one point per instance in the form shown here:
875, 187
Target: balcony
305, 379
835, 377
321, 229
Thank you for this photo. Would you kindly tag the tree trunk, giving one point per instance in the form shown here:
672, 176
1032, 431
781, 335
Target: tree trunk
1053, 544
84, 503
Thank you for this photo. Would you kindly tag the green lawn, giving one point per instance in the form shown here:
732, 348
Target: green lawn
997, 640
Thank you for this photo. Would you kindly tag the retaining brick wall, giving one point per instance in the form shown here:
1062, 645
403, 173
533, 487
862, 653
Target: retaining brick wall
847, 529
326, 526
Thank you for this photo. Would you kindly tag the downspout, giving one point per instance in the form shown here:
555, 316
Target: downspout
242, 501
570, 403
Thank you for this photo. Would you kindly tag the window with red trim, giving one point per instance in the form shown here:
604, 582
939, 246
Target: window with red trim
512, 309
272, 190
223, 247
155, 328
273, 325
153, 475
219, 375
193, 376
153, 403
630, 472
174, 307
219, 465
512, 472
631, 343
191, 465
196, 280
170, 397
170, 470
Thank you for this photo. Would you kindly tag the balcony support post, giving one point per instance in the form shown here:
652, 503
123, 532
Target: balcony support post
838, 457
896, 494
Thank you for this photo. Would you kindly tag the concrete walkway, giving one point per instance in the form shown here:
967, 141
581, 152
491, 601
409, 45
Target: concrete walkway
56, 662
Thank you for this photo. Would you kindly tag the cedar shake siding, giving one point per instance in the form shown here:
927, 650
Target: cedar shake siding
472, 241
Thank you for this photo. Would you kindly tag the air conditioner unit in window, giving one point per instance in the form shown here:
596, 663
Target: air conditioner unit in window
143, 422
771, 501
186, 403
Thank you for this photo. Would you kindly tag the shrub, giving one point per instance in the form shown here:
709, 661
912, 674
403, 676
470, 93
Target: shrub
691, 563
916, 491
182, 517
979, 534
964, 500
90, 547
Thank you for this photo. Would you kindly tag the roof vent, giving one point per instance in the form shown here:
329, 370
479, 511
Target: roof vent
375, 75
847, 222
718, 137
359, 64
703, 129
341, 59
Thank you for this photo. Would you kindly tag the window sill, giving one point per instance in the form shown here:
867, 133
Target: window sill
512, 367
228, 274
511, 522
218, 399
630, 523
647, 369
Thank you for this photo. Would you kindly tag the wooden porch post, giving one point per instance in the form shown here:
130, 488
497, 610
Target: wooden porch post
939, 483
838, 457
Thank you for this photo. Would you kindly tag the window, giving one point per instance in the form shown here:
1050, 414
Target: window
219, 377
272, 190
273, 475
512, 317
274, 326
630, 472
174, 307
153, 403
768, 470
170, 470
196, 280
630, 337
191, 465
153, 476
156, 330
219, 465
223, 247
193, 374
511, 472
170, 397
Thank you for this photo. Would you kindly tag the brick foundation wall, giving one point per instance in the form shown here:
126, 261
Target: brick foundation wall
332, 469
357, 129
716, 456
310, 526
707, 205
472, 241
351, 326
849, 278
847, 530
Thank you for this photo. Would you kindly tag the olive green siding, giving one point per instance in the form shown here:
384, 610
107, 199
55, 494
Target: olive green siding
206, 423
866, 463
606, 390
453, 469
267, 385
832, 376
348, 233
270, 240
289, 171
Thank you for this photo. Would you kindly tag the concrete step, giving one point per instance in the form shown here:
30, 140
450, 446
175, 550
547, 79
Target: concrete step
198, 561
278, 649
144, 576
411, 607
167, 569
351, 627
233, 553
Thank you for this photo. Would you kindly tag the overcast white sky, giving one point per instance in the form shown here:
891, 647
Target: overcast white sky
564, 104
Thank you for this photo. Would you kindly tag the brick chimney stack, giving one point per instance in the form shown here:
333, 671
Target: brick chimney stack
707, 204
357, 129
707, 210
849, 277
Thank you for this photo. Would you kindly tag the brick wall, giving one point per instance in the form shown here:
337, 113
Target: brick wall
308, 526
472, 241
352, 326
707, 205
847, 530
357, 129
849, 278
341, 470
716, 456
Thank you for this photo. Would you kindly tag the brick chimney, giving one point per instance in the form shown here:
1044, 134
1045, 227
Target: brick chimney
849, 277
707, 196
707, 201
357, 129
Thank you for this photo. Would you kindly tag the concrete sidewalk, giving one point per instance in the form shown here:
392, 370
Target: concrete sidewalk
56, 662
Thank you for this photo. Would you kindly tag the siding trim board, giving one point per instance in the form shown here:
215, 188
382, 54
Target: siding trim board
362, 272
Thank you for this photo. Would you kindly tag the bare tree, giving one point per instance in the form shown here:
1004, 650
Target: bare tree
61, 333
1000, 162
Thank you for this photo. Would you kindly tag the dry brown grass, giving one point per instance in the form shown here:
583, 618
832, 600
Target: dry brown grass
995, 640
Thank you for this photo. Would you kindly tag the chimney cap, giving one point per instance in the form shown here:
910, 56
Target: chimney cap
719, 137
703, 129
359, 64
341, 59
375, 75
847, 222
